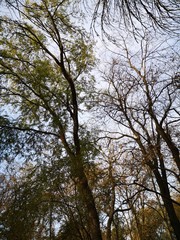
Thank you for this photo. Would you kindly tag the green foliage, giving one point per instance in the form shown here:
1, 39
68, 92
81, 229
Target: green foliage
31, 68
31, 202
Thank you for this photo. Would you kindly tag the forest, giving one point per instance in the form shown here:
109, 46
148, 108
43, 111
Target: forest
89, 120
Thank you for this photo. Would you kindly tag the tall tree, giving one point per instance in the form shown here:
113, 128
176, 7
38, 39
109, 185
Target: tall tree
43, 66
143, 100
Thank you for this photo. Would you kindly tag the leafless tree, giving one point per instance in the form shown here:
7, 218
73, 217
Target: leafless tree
143, 102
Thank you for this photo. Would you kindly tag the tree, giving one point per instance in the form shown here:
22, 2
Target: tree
43, 66
143, 101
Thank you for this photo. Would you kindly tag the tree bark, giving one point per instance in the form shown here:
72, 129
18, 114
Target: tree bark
168, 203
86, 198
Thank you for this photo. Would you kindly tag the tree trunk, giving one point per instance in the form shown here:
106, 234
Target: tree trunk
87, 199
168, 203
